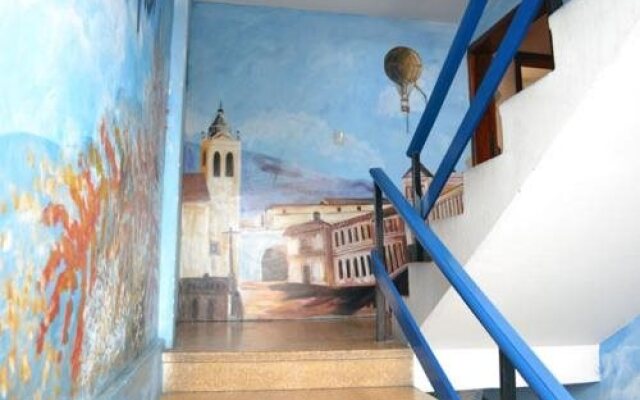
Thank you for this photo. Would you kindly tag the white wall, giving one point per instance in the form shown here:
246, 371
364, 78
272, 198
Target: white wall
550, 227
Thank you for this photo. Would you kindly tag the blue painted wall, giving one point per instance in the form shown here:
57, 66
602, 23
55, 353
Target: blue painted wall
620, 364
289, 79
172, 176
82, 128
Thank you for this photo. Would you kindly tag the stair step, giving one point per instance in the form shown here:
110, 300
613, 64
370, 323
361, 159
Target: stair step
213, 371
396, 393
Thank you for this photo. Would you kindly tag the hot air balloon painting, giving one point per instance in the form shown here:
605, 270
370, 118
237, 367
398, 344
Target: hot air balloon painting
403, 66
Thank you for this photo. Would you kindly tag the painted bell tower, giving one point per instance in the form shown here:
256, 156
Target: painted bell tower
221, 153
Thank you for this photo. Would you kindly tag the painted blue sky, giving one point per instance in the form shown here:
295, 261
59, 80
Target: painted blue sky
64, 63
289, 79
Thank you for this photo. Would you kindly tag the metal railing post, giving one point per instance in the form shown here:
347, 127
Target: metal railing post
381, 305
553, 5
507, 378
424, 353
417, 200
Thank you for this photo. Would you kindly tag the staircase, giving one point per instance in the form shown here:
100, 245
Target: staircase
550, 225
286, 370
287, 360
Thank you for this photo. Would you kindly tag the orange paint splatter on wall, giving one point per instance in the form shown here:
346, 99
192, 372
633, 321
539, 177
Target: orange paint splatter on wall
79, 224
74, 253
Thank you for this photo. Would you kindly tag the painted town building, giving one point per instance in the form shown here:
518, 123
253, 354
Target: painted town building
209, 255
338, 254
450, 202
211, 206
203, 299
353, 241
309, 252
281, 216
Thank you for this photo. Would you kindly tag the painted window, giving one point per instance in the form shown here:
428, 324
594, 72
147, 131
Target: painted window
216, 164
194, 308
396, 255
228, 168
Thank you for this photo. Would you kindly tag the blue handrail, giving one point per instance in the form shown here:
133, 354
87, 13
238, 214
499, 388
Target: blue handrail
543, 383
451, 65
441, 385
519, 27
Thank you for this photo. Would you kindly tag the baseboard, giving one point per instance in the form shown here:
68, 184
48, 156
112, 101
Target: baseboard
140, 380
472, 369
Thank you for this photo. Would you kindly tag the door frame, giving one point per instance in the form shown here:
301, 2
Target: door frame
485, 143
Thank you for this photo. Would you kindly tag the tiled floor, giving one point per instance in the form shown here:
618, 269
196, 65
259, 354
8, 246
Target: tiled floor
338, 394
336, 334
290, 352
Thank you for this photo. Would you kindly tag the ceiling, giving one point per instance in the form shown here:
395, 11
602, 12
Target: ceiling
433, 10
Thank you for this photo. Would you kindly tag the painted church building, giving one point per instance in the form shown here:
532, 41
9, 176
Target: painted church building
211, 205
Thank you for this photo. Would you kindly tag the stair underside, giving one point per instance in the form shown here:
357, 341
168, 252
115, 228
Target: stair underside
396, 393
209, 371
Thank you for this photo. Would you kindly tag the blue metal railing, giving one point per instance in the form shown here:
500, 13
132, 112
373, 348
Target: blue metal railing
509, 341
443, 388
519, 27
514, 352
447, 73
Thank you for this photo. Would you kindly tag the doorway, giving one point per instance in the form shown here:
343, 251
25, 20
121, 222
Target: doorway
531, 63
275, 267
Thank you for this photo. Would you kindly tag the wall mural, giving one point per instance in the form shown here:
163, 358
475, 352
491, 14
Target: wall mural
82, 121
620, 364
286, 112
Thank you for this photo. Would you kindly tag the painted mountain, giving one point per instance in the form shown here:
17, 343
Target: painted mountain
268, 180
